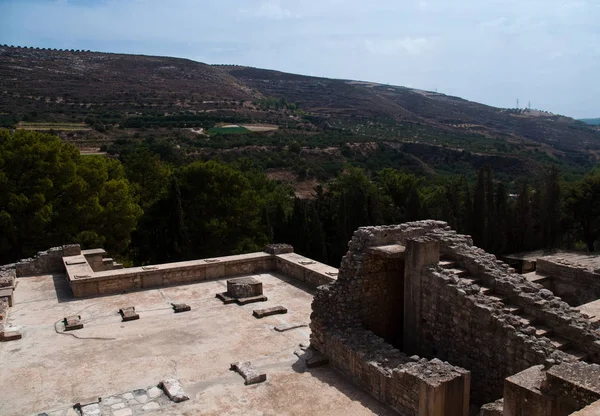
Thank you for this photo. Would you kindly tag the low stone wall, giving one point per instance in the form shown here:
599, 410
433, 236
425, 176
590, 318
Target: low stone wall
86, 281
46, 262
89, 283
313, 273
411, 385
576, 284
557, 391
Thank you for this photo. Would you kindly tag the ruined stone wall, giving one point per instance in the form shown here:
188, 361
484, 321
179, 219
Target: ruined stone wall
411, 385
381, 304
122, 280
46, 262
575, 283
454, 318
357, 300
534, 299
344, 304
558, 390
464, 328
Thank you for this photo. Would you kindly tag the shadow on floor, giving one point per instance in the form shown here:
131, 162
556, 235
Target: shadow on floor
62, 288
343, 383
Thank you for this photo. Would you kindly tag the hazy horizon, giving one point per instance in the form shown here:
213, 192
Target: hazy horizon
546, 52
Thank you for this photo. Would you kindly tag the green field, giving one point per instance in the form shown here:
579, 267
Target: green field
228, 130
52, 126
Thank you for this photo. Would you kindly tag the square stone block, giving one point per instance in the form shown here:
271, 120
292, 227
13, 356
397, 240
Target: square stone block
72, 322
244, 287
261, 313
181, 307
128, 314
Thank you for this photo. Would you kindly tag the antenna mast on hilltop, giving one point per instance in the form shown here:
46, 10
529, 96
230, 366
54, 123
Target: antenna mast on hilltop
530, 104
517, 103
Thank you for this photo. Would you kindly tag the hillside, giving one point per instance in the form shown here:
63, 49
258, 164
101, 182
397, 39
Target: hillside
124, 97
591, 121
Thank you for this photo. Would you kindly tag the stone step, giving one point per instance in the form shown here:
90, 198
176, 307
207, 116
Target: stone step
497, 298
487, 291
558, 342
526, 319
542, 331
470, 280
579, 355
447, 264
534, 277
514, 309
458, 272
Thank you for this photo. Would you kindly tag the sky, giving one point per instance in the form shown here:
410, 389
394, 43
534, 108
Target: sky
546, 52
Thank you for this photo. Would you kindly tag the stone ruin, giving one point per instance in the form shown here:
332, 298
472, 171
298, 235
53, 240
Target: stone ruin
429, 324
419, 317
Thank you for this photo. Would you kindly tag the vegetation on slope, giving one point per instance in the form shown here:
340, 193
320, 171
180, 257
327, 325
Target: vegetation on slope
148, 209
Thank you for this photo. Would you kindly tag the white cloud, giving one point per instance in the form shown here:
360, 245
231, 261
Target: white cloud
413, 46
270, 9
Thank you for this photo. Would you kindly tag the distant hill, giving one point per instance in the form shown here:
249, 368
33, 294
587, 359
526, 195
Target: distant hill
122, 93
591, 121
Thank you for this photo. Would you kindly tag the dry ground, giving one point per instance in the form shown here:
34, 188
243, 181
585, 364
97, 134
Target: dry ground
46, 370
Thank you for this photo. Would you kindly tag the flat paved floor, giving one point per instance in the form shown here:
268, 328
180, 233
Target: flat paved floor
46, 370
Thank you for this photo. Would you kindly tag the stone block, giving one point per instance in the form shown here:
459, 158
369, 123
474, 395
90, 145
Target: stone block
244, 287
250, 374
173, 390
72, 322
181, 307
123, 412
252, 299
10, 335
225, 298
492, 409
128, 314
279, 249
92, 409
289, 326
276, 310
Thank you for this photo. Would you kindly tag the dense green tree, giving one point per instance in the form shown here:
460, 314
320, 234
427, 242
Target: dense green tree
148, 174
551, 210
583, 203
50, 195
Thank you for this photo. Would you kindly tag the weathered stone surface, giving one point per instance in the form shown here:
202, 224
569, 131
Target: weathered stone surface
181, 307
250, 374
10, 335
46, 262
92, 409
244, 287
312, 357
150, 407
492, 409
279, 249
289, 326
225, 298
123, 412
473, 310
154, 392
252, 299
72, 322
173, 390
128, 314
275, 310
